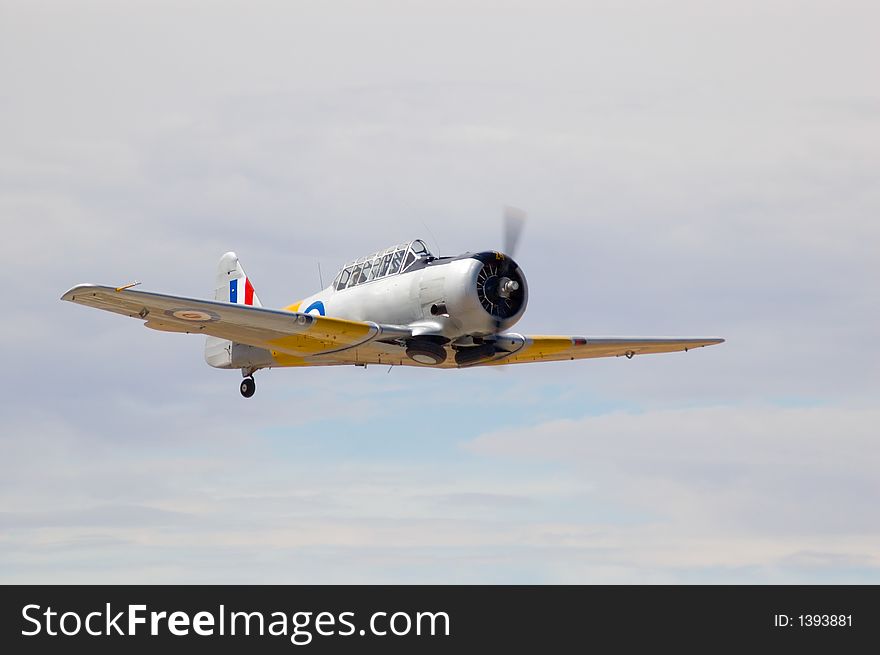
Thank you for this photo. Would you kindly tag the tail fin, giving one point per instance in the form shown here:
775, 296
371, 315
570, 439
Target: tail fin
232, 285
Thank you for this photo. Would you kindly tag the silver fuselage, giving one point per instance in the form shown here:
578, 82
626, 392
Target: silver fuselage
439, 298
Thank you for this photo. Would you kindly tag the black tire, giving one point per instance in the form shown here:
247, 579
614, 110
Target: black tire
248, 387
426, 352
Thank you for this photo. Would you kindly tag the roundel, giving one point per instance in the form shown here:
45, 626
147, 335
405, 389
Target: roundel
194, 315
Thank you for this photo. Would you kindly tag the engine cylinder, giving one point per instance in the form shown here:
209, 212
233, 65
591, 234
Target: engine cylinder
501, 289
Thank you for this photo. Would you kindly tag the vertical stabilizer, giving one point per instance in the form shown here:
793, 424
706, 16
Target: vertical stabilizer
233, 285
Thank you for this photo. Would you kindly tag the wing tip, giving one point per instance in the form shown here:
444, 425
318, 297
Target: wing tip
71, 293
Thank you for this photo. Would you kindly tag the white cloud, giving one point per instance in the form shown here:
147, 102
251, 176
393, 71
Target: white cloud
721, 487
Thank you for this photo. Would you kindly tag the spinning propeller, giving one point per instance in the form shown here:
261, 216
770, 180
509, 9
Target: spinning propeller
513, 221
499, 285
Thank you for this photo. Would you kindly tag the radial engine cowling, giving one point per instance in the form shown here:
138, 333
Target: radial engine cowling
480, 294
501, 289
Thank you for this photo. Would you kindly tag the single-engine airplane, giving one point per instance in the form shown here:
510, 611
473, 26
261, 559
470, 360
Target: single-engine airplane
401, 306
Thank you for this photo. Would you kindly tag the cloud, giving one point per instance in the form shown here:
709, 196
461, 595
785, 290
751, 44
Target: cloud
798, 478
118, 516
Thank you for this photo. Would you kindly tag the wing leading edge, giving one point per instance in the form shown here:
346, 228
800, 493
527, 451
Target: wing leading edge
296, 339
551, 348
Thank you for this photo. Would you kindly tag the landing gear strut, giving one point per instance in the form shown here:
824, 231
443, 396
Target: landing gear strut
248, 386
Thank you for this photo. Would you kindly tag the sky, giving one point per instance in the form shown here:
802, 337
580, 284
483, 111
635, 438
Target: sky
689, 168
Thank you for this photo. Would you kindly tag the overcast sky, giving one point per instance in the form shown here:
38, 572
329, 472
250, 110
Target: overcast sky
689, 168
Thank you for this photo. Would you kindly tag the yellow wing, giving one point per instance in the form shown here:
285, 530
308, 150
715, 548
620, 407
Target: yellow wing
278, 331
542, 348
296, 339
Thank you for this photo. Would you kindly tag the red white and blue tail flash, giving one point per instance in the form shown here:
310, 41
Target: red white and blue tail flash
241, 291
233, 284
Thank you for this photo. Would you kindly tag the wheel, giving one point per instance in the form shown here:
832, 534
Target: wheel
248, 387
426, 352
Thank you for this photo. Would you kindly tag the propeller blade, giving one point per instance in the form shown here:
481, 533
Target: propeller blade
514, 220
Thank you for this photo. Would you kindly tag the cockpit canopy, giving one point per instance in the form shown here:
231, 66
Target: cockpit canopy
384, 263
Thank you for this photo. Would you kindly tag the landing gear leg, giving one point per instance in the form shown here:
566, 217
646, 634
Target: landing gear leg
248, 386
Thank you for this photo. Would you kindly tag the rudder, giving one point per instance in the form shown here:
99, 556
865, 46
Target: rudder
233, 285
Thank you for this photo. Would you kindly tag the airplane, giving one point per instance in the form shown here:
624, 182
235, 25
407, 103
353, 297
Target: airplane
401, 306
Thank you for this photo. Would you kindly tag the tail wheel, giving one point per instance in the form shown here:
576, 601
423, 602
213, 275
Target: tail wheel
248, 387
426, 352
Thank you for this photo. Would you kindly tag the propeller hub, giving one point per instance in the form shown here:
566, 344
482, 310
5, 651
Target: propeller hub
507, 286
